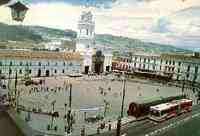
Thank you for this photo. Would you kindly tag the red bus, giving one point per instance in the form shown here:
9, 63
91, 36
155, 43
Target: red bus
169, 110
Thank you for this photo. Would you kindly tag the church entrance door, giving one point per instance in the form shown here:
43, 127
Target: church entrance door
98, 67
87, 69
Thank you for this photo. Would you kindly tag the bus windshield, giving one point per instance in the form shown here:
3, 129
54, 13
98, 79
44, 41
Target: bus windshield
155, 113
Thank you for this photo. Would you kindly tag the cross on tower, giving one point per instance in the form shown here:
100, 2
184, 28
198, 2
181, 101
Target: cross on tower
87, 4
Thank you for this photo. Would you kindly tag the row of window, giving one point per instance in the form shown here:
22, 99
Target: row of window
39, 64
166, 68
28, 71
170, 62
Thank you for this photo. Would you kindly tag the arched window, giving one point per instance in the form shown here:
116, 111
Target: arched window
20, 71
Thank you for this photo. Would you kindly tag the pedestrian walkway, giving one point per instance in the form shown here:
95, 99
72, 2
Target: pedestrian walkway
124, 121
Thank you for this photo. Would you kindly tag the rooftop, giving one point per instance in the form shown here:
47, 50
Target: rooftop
181, 56
30, 54
163, 106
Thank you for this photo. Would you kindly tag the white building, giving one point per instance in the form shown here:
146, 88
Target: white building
175, 66
93, 60
38, 63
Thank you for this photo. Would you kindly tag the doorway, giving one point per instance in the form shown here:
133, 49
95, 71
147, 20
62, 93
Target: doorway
108, 68
87, 69
39, 73
98, 67
47, 73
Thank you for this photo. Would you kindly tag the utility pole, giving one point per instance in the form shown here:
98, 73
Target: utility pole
118, 127
124, 91
9, 73
16, 94
183, 86
69, 119
118, 131
53, 110
8, 86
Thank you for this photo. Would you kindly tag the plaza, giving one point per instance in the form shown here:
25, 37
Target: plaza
88, 93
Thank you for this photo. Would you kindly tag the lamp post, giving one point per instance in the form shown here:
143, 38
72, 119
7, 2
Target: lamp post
183, 86
118, 131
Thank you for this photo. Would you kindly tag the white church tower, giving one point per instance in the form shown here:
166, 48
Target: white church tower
95, 61
86, 32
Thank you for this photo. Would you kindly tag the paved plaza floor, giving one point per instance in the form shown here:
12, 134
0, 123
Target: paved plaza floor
88, 92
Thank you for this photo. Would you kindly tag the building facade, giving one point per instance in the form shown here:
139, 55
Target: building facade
38, 63
178, 67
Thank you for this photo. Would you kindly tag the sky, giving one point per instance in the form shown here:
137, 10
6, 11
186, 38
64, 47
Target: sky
175, 22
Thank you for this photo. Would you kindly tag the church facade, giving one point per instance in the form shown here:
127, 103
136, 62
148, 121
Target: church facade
94, 60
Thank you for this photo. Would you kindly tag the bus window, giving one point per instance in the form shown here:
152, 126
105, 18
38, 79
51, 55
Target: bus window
155, 113
165, 111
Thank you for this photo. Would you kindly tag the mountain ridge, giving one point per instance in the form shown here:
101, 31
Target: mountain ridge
38, 34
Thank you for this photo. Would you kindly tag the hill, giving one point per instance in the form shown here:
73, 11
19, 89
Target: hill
129, 43
51, 33
35, 35
17, 33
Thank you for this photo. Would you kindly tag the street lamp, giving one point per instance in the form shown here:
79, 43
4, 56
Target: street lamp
18, 11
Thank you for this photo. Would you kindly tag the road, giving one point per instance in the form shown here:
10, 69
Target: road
183, 125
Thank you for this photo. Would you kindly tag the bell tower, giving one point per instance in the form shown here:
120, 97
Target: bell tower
86, 31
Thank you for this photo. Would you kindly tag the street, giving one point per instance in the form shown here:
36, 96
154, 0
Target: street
172, 127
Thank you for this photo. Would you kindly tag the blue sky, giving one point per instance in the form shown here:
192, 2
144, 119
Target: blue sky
163, 21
